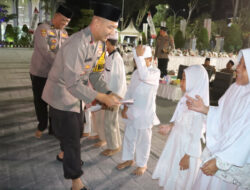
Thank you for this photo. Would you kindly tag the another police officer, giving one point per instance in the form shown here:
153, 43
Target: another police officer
48, 39
164, 44
67, 90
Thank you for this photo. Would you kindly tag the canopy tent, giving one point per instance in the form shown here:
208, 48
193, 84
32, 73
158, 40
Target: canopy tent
130, 34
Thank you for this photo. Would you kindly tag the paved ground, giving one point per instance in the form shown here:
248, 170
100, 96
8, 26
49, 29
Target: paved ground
29, 163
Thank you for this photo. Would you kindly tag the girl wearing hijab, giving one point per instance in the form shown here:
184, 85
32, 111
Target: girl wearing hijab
179, 162
226, 158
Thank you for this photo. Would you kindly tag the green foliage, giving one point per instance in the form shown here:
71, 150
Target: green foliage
202, 40
16, 34
160, 15
4, 16
25, 39
244, 19
194, 28
84, 20
179, 40
9, 33
144, 40
233, 38
219, 27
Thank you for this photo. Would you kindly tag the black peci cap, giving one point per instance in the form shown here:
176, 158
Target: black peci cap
107, 11
65, 11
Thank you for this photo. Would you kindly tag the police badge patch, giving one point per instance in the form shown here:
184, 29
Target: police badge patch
43, 32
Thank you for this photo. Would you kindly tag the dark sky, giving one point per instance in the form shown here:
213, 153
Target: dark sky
221, 9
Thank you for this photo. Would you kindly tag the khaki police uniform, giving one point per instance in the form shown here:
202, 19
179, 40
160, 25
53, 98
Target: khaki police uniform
65, 89
164, 44
47, 41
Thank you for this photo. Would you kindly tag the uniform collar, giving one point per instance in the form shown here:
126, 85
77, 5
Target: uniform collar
91, 37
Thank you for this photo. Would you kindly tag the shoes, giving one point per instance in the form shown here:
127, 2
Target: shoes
60, 160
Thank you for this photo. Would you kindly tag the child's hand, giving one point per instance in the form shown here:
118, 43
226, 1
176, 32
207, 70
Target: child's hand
124, 114
184, 163
209, 168
165, 129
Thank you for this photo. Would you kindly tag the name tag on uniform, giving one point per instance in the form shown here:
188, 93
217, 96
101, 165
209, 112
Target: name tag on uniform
88, 59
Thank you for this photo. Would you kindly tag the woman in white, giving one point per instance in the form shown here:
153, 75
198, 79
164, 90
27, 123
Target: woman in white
179, 163
140, 116
226, 158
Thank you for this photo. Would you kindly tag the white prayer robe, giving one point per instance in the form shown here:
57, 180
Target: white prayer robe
114, 74
228, 139
141, 114
184, 137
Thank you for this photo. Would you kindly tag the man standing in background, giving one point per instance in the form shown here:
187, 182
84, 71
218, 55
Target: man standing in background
164, 44
48, 38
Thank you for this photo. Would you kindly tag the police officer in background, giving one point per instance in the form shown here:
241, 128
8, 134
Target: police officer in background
164, 44
67, 89
48, 39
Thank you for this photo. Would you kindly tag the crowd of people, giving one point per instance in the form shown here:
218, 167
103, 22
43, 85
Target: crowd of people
84, 75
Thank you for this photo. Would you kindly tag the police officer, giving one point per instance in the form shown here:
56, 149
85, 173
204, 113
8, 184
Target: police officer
164, 44
67, 89
48, 39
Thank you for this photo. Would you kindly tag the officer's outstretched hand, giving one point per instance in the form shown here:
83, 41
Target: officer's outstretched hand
109, 100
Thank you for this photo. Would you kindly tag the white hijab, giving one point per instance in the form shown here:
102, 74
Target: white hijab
228, 132
197, 83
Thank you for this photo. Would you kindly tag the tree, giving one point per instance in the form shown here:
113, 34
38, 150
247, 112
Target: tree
25, 39
235, 7
191, 6
202, 40
4, 17
233, 38
179, 40
9, 33
160, 15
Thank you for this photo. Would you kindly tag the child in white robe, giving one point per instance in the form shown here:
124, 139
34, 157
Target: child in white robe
179, 162
140, 116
